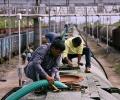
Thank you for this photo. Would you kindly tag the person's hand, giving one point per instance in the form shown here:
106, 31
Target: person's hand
70, 64
75, 64
50, 79
81, 64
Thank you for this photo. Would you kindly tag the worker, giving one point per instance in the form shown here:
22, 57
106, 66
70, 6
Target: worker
44, 63
74, 48
51, 36
26, 55
29, 51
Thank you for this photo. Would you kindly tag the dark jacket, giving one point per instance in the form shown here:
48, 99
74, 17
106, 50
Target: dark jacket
51, 36
42, 62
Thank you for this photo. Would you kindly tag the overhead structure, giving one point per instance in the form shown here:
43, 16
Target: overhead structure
60, 7
80, 2
62, 2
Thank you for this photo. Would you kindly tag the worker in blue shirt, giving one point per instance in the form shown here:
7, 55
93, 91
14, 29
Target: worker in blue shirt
44, 63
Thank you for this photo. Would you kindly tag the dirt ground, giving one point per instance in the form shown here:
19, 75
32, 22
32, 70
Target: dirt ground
8, 72
110, 61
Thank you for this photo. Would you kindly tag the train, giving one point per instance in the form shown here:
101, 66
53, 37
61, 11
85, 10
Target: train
116, 38
101, 33
9, 44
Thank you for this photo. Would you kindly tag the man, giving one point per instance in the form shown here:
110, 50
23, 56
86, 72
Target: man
51, 36
44, 62
74, 48
66, 28
27, 53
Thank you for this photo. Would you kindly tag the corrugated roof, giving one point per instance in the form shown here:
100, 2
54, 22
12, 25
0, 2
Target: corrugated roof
63, 2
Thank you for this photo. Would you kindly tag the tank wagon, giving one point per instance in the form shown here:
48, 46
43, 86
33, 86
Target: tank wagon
9, 44
116, 38
101, 33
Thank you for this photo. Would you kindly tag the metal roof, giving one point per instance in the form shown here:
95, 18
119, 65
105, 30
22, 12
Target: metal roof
63, 2
60, 7
80, 2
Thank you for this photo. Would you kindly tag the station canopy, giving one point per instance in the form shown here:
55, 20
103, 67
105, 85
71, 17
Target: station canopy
63, 2
60, 7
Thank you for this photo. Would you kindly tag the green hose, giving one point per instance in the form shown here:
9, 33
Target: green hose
33, 86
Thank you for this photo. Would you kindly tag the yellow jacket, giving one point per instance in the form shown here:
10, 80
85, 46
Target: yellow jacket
70, 49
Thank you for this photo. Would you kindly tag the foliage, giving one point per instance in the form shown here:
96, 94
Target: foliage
5, 22
117, 24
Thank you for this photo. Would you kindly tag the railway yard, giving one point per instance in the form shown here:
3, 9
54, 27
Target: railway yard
88, 30
105, 59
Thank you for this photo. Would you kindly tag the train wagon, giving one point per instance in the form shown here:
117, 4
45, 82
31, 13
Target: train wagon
116, 38
9, 45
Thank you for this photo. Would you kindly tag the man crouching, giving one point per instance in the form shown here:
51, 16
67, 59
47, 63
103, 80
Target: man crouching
44, 62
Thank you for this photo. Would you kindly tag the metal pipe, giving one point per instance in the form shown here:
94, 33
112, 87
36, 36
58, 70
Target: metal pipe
19, 16
27, 32
99, 35
76, 19
92, 26
107, 34
40, 30
54, 25
86, 25
60, 23
97, 30
19, 69
55, 21
49, 15
9, 29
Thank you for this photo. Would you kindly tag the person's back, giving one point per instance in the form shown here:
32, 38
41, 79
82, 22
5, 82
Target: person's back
40, 52
51, 36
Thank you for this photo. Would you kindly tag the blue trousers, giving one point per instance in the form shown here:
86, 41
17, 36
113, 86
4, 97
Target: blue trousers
33, 71
86, 52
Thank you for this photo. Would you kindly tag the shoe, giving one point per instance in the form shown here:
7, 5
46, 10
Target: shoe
87, 70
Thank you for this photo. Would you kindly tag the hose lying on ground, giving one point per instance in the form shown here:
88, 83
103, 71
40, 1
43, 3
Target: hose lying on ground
33, 86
